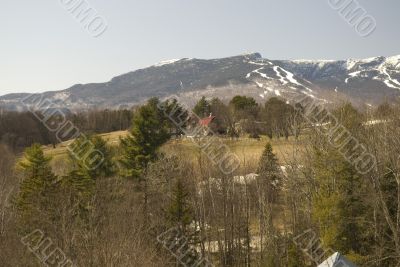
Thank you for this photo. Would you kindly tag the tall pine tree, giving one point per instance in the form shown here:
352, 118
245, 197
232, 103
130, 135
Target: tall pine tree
149, 131
37, 189
269, 172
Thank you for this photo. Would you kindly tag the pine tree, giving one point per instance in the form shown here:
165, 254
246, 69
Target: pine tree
269, 172
140, 148
180, 212
91, 156
202, 108
180, 215
176, 116
91, 159
268, 188
37, 189
148, 133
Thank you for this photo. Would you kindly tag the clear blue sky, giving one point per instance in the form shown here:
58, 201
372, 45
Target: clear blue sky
42, 47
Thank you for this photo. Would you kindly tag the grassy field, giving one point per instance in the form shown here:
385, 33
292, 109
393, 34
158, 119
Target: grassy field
61, 149
247, 149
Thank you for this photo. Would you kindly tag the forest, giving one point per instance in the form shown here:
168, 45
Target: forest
146, 202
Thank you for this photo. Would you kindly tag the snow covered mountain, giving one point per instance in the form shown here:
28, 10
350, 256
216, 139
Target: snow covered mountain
365, 81
370, 80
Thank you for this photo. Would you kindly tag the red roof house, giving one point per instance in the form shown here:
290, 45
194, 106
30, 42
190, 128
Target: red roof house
206, 121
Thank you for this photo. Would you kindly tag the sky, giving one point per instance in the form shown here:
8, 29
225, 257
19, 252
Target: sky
43, 47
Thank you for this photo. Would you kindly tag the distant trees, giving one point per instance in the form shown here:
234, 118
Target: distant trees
243, 115
20, 130
102, 121
246, 112
223, 122
202, 108
243, 105
278, 117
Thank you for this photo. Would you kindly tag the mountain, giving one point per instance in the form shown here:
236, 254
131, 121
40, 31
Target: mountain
366, 81
370, 80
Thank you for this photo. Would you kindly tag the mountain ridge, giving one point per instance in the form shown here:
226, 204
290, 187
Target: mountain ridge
358, 80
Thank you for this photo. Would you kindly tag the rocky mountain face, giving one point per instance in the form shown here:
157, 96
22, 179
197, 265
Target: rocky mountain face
366, 81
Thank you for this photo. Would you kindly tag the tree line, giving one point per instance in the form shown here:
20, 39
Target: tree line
19, 130
243, 115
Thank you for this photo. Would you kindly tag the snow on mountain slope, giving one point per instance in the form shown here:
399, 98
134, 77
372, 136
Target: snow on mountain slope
385, 70
275, 79
369, 80
167, 62
363, 81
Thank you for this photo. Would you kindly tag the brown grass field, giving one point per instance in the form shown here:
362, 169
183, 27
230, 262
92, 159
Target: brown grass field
247, 149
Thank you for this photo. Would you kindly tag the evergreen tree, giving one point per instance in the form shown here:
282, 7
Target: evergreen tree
37, 189
148, 133
268, 189
91, 159
269, 173
176, 116
180, 215
91, 156
180, 212
202, 108
243, 103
